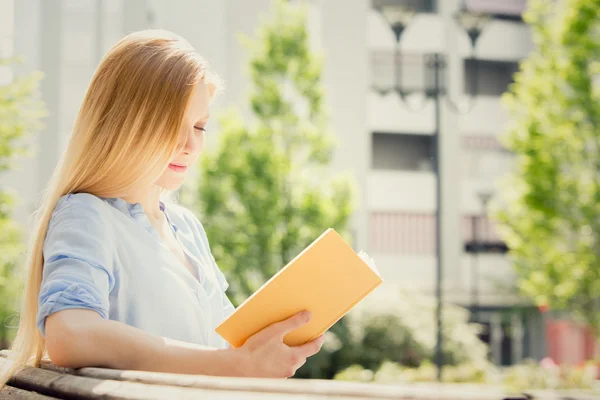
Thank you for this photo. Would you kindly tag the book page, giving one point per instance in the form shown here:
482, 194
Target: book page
369, 261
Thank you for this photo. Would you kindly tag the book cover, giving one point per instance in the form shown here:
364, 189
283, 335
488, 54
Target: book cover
328, 278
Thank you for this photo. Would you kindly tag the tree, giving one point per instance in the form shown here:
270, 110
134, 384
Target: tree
21, 111
263, 195
551, 214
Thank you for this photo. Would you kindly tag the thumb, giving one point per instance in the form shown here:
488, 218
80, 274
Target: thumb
292, 323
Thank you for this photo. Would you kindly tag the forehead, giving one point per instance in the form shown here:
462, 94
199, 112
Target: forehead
199, 101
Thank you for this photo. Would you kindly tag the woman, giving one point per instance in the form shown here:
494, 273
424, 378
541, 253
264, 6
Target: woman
117, 277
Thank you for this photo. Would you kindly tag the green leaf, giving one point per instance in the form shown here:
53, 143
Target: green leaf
551, 217
21, 112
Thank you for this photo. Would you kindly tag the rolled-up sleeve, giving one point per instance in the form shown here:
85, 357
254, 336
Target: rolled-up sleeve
78, 259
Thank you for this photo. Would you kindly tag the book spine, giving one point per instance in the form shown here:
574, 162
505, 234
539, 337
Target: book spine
341, 314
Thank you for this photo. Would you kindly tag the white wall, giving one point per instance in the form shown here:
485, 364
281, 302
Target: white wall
345, 79
401, 191
487, 117
411, 271
495, 276
388, 113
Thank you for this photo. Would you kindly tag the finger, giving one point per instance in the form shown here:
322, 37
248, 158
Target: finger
311, 348
300, 364
297, 362
292, 323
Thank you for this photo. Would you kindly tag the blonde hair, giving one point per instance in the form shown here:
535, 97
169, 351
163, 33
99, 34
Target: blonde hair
126, 132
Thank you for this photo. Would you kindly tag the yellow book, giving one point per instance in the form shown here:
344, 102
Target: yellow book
328, 278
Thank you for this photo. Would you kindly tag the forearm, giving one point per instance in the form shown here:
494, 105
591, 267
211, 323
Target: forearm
88, 340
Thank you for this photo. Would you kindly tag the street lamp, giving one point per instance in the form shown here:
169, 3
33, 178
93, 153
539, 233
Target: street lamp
398, 17
484, 198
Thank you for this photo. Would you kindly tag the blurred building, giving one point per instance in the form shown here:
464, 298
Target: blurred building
386, 147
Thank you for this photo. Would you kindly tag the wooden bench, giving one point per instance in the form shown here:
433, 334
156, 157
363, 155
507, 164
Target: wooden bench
52, 382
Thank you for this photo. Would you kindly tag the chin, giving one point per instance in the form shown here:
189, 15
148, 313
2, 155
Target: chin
170, 180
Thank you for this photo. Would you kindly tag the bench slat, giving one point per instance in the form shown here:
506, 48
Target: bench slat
13, 393
66, 386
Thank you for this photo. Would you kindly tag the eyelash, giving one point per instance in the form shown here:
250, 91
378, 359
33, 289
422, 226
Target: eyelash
198, 128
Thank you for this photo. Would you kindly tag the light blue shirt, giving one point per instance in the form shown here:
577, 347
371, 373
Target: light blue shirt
103, 254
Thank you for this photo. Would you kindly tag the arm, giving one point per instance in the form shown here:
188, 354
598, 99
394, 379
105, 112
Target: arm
81, 338
78, 338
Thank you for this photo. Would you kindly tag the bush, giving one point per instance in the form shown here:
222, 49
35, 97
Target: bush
355, 373
391, 372
547, 375
398, 325
21, 111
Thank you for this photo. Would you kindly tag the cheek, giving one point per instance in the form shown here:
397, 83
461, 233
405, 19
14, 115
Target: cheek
201, 142
198, 148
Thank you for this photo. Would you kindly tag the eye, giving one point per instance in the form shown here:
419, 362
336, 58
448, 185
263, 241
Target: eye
200, 128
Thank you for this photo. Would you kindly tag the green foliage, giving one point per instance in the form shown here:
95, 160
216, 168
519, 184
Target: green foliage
391, 372
20, 113
515, 379
551, 213
10, 251
398, 325
355, 373
263, 195
531, 375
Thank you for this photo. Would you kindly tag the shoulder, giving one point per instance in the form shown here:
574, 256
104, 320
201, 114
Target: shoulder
80, 202
80, 211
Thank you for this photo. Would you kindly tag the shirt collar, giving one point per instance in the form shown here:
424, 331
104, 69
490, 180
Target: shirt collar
136, 211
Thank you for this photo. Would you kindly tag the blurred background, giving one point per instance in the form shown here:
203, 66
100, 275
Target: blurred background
438, 136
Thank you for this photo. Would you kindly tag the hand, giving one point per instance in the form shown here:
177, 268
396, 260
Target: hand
268, 356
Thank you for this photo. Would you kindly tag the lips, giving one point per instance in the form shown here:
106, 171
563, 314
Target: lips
177, 167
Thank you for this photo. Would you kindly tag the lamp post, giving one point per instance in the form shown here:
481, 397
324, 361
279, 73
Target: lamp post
398, 17
484, 197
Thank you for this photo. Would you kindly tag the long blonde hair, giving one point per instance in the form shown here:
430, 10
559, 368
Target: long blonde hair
126, 132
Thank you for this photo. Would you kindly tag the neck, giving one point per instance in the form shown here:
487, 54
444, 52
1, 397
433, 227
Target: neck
149, 199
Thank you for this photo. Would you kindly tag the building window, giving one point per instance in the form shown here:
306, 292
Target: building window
501, 9
406, 70
410, 72
488, 78
402, 152
417, 5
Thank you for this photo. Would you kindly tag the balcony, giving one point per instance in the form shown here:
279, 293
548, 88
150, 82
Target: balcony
503, 9
404, 244
387, 113
506, 39
414, 233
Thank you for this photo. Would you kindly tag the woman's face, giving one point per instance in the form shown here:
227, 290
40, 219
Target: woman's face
192, 139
